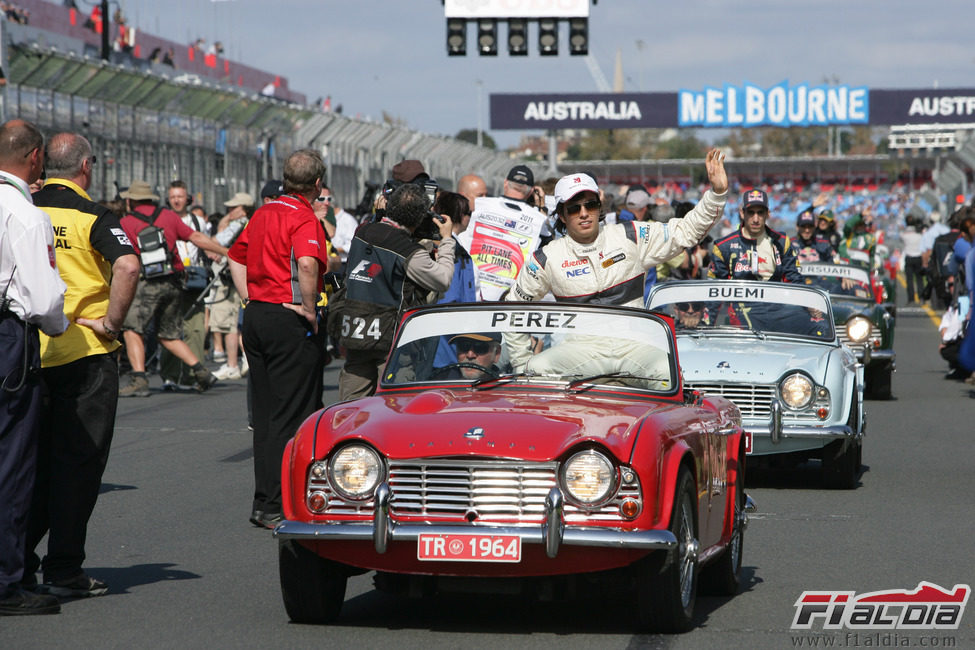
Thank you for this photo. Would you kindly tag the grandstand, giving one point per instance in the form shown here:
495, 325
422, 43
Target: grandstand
219, 133
850, 172
64, 29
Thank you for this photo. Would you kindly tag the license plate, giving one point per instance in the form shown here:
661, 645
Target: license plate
748, 442
469, 548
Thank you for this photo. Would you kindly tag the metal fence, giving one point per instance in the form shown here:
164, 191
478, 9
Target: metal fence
216, 137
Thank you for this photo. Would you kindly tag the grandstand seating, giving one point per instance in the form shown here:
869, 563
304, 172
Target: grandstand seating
49, 21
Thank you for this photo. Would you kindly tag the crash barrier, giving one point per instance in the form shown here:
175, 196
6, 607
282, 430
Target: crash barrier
160, 124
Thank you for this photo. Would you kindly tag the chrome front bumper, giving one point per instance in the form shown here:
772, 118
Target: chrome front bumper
868, 356
789, 431
777, 430
552, 533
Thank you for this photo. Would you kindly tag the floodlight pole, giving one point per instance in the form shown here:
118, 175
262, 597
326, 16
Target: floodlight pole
553, 152
106, 52
480, 110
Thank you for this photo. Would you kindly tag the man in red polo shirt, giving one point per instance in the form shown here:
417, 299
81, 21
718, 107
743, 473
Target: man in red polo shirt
159, 298
277, 264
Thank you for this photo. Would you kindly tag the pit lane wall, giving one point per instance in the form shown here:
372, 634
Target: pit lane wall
161, 124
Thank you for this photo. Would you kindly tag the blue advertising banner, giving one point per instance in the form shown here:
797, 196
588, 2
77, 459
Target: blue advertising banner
780, 105
741, 106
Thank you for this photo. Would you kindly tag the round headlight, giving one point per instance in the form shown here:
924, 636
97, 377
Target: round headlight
589, 477
858, 329
797, 391
355, 471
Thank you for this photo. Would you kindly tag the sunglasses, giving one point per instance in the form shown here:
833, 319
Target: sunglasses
466, 345
572, 209
688, 307
323, 199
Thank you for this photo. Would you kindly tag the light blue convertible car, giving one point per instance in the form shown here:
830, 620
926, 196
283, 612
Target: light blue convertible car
772, 349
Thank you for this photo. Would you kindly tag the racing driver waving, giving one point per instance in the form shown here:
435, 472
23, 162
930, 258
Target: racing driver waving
607, 265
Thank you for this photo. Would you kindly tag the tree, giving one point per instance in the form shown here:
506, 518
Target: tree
685, 145
470, 135
392, 120
859, 141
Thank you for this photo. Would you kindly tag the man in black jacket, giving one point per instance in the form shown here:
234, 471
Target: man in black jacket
386, 272
755, 251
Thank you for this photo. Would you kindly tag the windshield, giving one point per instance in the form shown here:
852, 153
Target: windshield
838, 280
488, 345
759, 307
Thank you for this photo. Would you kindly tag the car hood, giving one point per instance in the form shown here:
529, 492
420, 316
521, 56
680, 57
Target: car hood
749, 360
493, 422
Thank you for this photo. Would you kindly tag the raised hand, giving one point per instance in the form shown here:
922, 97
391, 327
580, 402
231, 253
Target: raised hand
714, 162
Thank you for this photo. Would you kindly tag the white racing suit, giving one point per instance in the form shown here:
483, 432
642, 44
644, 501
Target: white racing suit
588, 355
610, 270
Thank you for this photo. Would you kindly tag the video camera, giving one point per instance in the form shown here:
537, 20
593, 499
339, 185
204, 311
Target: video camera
364, 206
428, 228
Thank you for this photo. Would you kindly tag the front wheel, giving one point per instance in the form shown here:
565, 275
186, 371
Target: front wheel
878, 383
665, 598
312, 587
841, 464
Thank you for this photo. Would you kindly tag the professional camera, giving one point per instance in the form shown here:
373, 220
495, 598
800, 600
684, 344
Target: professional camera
428, 228
364, 206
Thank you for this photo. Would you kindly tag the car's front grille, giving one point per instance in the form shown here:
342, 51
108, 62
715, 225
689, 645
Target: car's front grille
482, 491
844, 338
753, 400
491, 489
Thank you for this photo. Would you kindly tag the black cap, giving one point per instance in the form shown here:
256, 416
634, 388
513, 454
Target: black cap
806, 218
521, 174
272, 190
755, 197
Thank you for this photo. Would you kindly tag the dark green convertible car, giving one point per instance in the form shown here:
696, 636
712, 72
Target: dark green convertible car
863, 322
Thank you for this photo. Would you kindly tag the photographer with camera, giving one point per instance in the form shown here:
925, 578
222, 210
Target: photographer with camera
387, 271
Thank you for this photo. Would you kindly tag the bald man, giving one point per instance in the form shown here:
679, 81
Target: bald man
473, 187
100, 267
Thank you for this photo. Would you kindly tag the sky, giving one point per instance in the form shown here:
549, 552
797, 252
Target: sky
373, 56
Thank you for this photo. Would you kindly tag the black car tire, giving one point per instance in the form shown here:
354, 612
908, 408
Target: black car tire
841, 458
840, 464
723, 576
312, 587
665, 598
878, 383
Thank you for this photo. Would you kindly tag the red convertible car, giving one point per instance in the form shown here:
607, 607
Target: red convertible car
536, 442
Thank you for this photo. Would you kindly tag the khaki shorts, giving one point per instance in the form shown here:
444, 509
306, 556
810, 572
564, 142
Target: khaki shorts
161, 300
223, 313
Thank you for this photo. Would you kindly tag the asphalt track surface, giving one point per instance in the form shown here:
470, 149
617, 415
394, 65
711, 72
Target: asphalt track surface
185, 569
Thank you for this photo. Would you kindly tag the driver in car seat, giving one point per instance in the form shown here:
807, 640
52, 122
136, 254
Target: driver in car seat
478, 353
